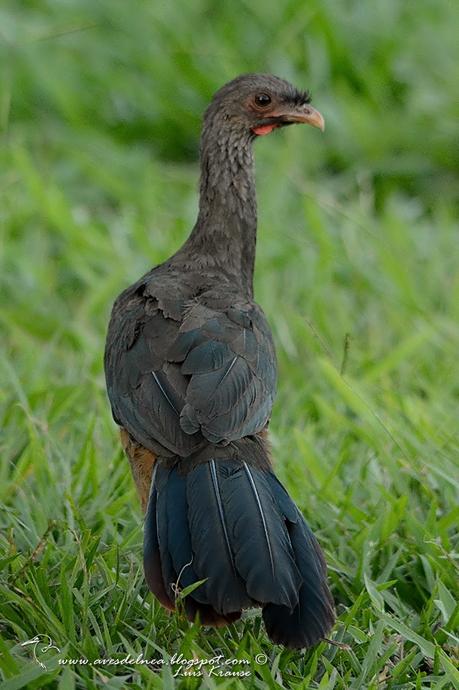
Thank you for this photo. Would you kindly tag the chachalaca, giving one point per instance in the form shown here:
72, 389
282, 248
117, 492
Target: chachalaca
191, 376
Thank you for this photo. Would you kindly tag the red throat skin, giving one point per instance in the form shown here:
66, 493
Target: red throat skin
263, 130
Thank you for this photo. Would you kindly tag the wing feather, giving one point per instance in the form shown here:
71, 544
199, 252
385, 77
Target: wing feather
176, 384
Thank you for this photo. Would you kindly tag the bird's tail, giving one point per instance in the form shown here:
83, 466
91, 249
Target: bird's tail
235, 526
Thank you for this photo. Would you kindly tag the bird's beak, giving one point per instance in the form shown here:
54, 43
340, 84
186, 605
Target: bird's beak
306, 115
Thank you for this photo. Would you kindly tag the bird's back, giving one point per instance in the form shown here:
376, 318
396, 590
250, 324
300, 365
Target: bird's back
189, 360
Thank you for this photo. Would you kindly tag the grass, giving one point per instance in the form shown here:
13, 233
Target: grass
356, 270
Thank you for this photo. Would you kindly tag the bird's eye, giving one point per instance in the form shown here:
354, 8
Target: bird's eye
262, 100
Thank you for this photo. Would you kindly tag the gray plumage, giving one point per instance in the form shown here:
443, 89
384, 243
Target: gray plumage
191, 376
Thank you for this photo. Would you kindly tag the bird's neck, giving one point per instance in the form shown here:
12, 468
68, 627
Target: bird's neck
226, 227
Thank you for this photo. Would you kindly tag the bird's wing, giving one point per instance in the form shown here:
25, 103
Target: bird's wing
146, 391
175, 383
230, 361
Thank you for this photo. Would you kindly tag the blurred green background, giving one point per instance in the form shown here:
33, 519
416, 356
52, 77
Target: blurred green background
357, 270
385, 74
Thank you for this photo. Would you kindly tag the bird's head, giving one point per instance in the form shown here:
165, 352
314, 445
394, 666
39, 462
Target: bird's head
256, 104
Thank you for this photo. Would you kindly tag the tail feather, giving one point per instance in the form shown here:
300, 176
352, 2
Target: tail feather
259, 538
210, 541
162, 527
235, 526
151, 554
313, 617
178, 535
167, 549
208, 615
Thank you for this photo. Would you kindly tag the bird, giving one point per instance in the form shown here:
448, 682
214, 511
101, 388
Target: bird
191, 376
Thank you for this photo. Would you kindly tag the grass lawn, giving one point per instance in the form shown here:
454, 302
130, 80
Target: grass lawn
357, 271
